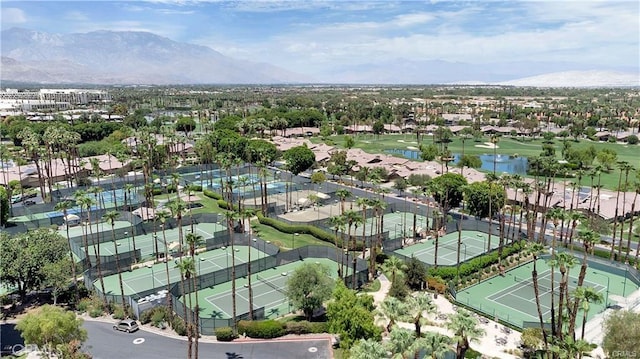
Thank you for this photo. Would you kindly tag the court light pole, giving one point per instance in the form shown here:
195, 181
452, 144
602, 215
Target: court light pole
153, 277
255, 244
606, 300
226, 256
293, 239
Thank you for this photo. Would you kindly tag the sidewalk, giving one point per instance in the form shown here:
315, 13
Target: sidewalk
486, 345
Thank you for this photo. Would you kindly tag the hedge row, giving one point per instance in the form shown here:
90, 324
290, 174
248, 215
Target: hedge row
218, 197
263, 329
305, 229
605, 253
268, 329
477, 264
211, 194
225, 334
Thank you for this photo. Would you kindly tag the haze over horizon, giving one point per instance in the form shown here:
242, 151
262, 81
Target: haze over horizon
332, 40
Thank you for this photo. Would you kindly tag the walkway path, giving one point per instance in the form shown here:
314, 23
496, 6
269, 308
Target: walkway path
486, 345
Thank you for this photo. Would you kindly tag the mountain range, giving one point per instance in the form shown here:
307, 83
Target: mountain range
127, 57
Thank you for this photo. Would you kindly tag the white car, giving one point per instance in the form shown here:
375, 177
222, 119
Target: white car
126, 325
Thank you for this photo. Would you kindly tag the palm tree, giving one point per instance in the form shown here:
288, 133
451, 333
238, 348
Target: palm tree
111, 217
416, 307
400, 342
343, 194
79, 197
249, 213
353, 219
393, 309
586, 296
193, 241
395, 266
536, 249
177, 208
465, 329
128, 187
187, 269
87, 202
434, 344
378, 207
575, 217
162, 217
588, 238
363, 203
565, 262
436, 242
338, 223
555, 214
367, 349
64, 208
231, 217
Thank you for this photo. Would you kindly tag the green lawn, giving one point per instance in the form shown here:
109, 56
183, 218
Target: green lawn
284, 240
506, 146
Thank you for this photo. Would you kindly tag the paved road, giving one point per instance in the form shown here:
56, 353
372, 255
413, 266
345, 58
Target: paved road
105, 343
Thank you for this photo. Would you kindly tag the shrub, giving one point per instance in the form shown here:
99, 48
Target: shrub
118, 312
264, 329
319, 327
224, 205
178, 325
225, 334
632, 139
436, 284
305, 229
83, 305
95, 312
211, 194
302, 327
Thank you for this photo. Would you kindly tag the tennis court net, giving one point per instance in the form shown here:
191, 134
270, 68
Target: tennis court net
529, 282
270, 284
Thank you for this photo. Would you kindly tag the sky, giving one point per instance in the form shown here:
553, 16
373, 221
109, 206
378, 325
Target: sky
314, 37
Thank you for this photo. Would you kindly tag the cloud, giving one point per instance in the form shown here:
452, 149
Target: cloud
580, 32
13, 16
76, 16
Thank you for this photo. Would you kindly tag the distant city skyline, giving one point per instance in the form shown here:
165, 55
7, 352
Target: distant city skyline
316, 37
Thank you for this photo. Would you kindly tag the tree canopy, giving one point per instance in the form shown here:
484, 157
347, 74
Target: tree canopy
622, 334
351, 316
24, 257
447, 189
51, 327
309, 286
478, 195
299, 159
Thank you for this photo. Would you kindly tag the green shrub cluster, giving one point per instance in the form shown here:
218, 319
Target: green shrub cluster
305, 229
476, 264
305, 327
224, 205
262, 329
211, 194
156, 315
225, 334
178, 325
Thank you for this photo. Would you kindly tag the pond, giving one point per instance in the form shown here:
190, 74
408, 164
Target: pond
504, 163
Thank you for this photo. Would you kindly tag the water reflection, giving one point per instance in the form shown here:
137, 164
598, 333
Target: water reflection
504, 163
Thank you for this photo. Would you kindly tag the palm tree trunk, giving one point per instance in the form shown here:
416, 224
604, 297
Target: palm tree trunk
115, 249
536, 291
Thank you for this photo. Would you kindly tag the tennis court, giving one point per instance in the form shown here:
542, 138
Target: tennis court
155, 276
512, 298
473, 243
146, 243
268, 292
108, 197
103, 227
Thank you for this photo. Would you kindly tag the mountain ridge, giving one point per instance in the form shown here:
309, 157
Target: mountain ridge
142, 58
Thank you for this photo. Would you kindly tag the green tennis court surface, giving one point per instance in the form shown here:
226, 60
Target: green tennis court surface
143, 279
268, 292
103, 228
473, 244
146, 243
512, 298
